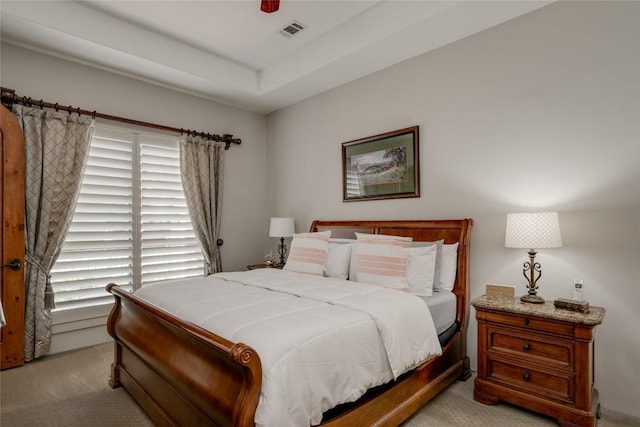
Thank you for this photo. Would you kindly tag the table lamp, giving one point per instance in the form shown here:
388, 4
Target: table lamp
539, 230
281, 227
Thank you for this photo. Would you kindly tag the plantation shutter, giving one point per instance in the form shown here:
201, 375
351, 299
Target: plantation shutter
98, 249
131, 225
170, 249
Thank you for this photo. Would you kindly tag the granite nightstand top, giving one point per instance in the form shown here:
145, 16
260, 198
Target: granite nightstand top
548, 310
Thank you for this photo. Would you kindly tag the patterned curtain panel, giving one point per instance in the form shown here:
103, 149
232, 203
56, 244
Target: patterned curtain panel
202, 166
56, 150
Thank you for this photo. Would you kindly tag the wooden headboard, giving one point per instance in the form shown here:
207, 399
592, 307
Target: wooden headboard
451, 231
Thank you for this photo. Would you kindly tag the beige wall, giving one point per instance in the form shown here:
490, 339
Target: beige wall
540, 113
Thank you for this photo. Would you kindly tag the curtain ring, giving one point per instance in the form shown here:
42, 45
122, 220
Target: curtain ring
56, 106
70, 109
78, 111
93, 114
41, 104
181, 131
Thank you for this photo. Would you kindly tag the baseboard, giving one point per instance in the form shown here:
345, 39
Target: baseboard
75, 339
80, 327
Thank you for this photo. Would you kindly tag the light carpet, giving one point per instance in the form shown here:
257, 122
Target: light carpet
71, 389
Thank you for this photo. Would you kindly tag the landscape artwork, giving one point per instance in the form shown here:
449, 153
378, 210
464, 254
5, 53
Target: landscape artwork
383, 166
386, 166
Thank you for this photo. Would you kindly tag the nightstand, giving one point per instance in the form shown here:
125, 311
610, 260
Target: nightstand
537, 357
261, 265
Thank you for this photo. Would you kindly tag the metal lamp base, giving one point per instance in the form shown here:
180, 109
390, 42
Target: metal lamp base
282, 250
532, 267
532, 299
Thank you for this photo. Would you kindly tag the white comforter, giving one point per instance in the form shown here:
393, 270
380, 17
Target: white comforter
321, 341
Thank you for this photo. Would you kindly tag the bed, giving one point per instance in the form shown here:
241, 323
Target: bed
182, 374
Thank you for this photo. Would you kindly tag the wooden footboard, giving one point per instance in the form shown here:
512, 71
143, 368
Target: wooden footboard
184, 375
179, 373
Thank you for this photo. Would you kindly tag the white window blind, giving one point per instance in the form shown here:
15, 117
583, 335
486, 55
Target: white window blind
131, 225
169, 247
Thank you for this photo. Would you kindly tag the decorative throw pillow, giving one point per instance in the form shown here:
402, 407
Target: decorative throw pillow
338, 259
421, 270
308, 253
382, 260
448, 267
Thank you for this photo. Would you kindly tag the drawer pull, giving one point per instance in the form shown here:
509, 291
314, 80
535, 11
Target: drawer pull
526, 376
526, 321
527, 347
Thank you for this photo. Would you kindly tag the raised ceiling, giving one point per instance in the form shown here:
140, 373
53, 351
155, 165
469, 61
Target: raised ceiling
231, 52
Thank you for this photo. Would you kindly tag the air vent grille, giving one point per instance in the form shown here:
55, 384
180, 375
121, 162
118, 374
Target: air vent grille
293, 28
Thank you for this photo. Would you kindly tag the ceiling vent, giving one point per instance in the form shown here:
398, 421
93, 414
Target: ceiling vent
293, 28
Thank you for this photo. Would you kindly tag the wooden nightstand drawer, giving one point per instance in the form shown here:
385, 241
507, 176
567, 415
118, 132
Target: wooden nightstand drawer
555, 353
547, 385
531, 323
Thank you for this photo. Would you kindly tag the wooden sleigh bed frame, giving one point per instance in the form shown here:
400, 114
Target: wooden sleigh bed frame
183, 375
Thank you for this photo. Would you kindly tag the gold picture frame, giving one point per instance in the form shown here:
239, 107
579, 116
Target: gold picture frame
384, 166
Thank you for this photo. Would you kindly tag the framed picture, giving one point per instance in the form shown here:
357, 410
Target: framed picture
383, 166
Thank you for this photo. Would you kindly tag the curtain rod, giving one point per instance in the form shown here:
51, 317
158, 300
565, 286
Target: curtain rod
9, 98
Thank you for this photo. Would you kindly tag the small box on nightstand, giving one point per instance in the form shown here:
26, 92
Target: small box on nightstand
500, 291
569, 304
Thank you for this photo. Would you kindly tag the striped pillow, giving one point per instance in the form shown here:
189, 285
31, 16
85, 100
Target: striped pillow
382, 260
308, 253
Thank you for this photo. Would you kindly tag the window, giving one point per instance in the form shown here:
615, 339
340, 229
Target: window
131, 225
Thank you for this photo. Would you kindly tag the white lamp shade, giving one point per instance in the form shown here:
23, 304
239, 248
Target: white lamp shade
282, 227
537, 230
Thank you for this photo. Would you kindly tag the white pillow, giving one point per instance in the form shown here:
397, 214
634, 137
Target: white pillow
308, 253
438, 243
353, 263
448, 267
382, 260
338, 259
421, 269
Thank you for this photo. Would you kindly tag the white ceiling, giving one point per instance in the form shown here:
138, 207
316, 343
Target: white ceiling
231, 52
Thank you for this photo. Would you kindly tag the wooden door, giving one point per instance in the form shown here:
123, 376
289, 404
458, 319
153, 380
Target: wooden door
12, 247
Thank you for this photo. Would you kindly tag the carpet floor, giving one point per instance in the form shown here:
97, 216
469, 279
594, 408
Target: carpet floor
71, 389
